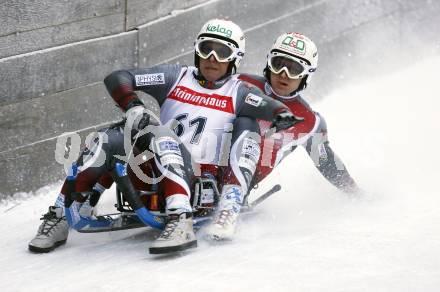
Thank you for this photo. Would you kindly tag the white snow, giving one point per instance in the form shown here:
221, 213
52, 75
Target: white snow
308, 237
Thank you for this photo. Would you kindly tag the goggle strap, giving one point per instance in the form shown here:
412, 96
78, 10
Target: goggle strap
218, 37
290, 56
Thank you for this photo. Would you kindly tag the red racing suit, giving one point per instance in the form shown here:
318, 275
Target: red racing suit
311, 134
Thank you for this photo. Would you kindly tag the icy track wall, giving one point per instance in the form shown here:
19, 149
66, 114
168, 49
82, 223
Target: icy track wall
55, 54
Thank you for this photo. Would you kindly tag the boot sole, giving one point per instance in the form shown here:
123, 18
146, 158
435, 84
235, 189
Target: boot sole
169, 249
37, 249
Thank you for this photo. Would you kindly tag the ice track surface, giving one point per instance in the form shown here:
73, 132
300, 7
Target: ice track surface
308, 237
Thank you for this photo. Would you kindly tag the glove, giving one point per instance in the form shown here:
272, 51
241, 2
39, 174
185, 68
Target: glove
138, 118
284, 120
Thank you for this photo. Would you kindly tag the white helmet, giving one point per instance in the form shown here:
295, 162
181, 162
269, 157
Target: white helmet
223, 39
298, 48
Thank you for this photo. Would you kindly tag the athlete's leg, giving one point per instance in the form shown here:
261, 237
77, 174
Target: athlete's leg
243, 158
94, 163
172, 163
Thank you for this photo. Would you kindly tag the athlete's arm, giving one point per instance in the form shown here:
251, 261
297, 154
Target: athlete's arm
327, 162
252, 102
156, 81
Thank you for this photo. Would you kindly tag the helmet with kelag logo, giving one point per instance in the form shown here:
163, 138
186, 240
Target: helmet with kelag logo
222, 39
296, 55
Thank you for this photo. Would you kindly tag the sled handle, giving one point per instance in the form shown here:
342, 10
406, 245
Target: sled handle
266, 195
124, 184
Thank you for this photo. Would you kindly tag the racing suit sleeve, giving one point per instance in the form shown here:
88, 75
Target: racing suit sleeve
156, 81
327, 162
253, 103
245, 150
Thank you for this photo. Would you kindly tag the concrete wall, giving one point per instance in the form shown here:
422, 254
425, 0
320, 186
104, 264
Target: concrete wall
54, 55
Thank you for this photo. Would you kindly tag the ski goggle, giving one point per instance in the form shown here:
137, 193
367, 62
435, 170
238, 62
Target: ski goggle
294, 68
223, 51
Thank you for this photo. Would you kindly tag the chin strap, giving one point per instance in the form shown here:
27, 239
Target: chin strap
211, 84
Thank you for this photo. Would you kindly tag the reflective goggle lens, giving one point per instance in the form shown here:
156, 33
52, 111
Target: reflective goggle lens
293, 67
222, 51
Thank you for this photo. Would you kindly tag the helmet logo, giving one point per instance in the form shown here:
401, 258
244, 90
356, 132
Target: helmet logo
218, 28
295, 43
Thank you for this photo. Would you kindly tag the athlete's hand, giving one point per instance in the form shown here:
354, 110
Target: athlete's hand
285, 120
138, 118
